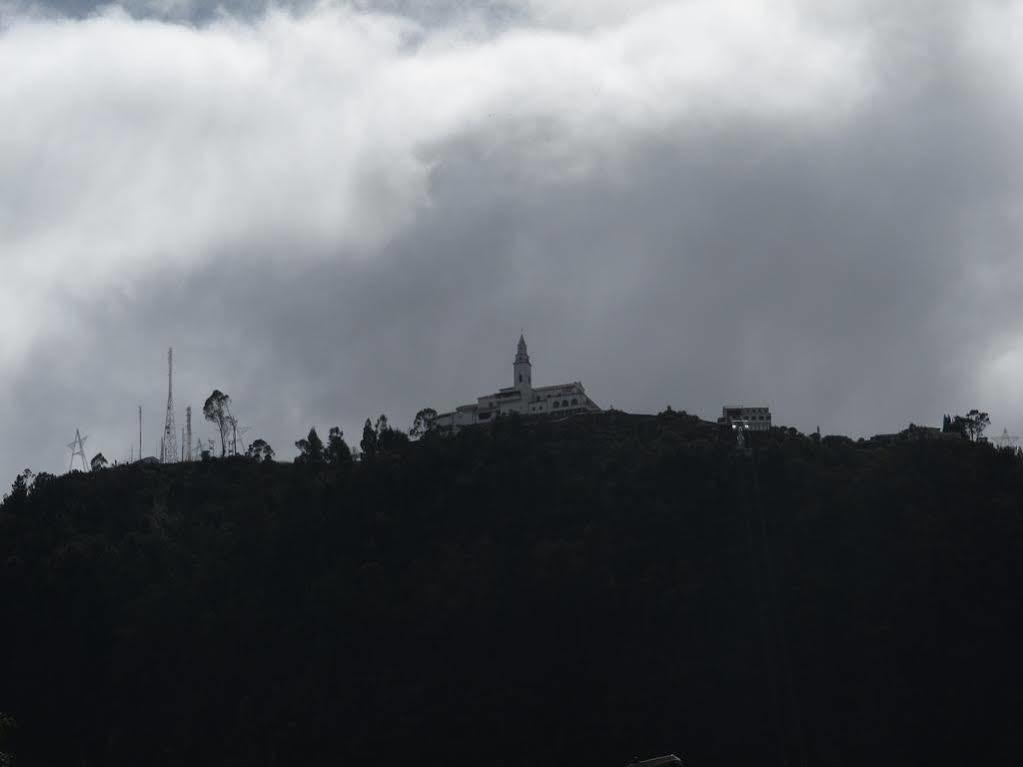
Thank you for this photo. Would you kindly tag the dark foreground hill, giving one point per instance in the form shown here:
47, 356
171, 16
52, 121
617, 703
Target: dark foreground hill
535, 594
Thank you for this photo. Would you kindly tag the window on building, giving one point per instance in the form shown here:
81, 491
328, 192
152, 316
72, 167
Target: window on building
575, 402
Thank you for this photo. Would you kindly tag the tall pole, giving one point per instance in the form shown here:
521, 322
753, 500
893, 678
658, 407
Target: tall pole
140, 432
169, 446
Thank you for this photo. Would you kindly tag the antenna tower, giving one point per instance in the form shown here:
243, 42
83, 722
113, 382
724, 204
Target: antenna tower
77, 446
169, 446
188, 433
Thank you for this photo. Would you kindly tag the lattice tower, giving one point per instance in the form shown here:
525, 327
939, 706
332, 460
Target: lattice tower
169, 445
77, 446
1006, 440
188, 433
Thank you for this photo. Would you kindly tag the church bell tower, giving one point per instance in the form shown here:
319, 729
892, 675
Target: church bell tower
523, 369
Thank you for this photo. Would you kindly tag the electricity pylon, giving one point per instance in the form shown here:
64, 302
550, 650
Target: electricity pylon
77, 446
1006, 440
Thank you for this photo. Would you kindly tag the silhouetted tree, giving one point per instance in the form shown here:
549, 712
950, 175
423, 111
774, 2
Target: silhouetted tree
391, 440
217, 410
338, 452
41, 479
423, 423
21, 485
976, 423
368, 443
98, 462
310, 449
380, 438
954, 425
259, 450
971, 426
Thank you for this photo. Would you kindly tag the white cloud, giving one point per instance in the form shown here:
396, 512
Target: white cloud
618, 171
132, 144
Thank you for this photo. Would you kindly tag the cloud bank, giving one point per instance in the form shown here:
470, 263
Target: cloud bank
333, 210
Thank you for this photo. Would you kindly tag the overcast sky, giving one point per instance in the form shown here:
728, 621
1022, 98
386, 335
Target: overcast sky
337, 210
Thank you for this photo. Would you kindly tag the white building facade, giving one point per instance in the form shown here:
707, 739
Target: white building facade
521, 397
752, 418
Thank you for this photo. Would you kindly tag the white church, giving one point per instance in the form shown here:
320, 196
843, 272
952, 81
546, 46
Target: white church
522, 397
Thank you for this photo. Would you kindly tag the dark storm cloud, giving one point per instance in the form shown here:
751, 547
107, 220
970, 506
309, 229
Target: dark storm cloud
847, 255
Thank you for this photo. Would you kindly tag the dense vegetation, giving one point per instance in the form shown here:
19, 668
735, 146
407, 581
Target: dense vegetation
569, 593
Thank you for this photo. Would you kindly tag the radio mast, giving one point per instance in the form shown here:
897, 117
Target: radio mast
169, 446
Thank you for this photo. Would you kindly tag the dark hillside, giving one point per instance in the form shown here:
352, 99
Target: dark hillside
542, 593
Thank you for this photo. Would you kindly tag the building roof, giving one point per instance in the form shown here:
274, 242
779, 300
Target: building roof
558, 386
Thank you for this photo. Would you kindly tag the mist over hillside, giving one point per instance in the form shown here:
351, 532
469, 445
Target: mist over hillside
531, 593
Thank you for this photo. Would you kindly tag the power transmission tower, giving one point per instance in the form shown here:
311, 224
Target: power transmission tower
169, 446
140, 432
1006, 440
188, 433
77, 446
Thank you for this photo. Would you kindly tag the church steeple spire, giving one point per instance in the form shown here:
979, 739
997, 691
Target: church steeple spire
521, 354
523, 369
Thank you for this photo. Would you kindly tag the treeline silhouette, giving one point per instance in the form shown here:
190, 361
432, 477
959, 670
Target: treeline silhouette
531, 593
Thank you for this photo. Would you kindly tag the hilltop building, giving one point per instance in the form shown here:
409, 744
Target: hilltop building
752, 418
521, 397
